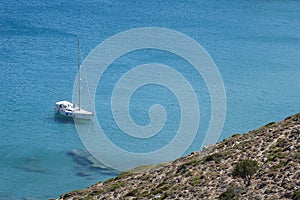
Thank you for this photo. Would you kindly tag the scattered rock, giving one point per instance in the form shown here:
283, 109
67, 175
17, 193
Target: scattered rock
207, 174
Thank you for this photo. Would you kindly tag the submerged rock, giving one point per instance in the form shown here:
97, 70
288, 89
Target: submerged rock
87, 164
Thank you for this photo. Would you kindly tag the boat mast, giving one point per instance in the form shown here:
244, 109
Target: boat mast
78, 73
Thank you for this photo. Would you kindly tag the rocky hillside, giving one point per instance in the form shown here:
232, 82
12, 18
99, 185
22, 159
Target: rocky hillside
208, 174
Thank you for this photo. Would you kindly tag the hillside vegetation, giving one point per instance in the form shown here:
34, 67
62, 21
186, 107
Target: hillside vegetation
218, 171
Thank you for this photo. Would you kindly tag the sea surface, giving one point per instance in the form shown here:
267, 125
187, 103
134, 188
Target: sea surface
255, 44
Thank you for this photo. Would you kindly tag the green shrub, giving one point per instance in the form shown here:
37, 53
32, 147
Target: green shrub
188, 174
270, 124
109, 180
160, 188
245, 169
278, 166
236, 135
132, 193
280, 142
124, 174
174, 188
171, 190
228, 194
95, 193
183, 168
114, 186
144, 194
214, 157
275, 154
192, 163
195, 180
157, 191
296, 195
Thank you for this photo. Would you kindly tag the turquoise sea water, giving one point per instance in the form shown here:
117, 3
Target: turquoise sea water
255, 44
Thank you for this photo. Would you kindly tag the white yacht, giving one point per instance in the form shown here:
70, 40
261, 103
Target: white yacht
71, 110
68, 109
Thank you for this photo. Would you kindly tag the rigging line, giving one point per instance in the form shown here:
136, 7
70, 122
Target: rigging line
87, 85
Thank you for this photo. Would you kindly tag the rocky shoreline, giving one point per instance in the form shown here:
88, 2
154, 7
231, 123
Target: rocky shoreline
208, 174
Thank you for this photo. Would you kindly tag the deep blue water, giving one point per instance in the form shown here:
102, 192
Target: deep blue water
255, 44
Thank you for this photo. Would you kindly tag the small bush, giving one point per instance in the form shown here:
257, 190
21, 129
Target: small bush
95, 193
115, 186
236, 135
278, 166
188, 174
144, 194
160, 188
228, 194
195, 181
296, 195
125, 174
275, 153
183, 168
214, 157
157, 191
280, 142
245, 169
192, 163
170, 192
132, 193
109, 180
270, 124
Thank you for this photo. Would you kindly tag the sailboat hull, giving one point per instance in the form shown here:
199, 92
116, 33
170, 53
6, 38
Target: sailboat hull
82, 114
67, 109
